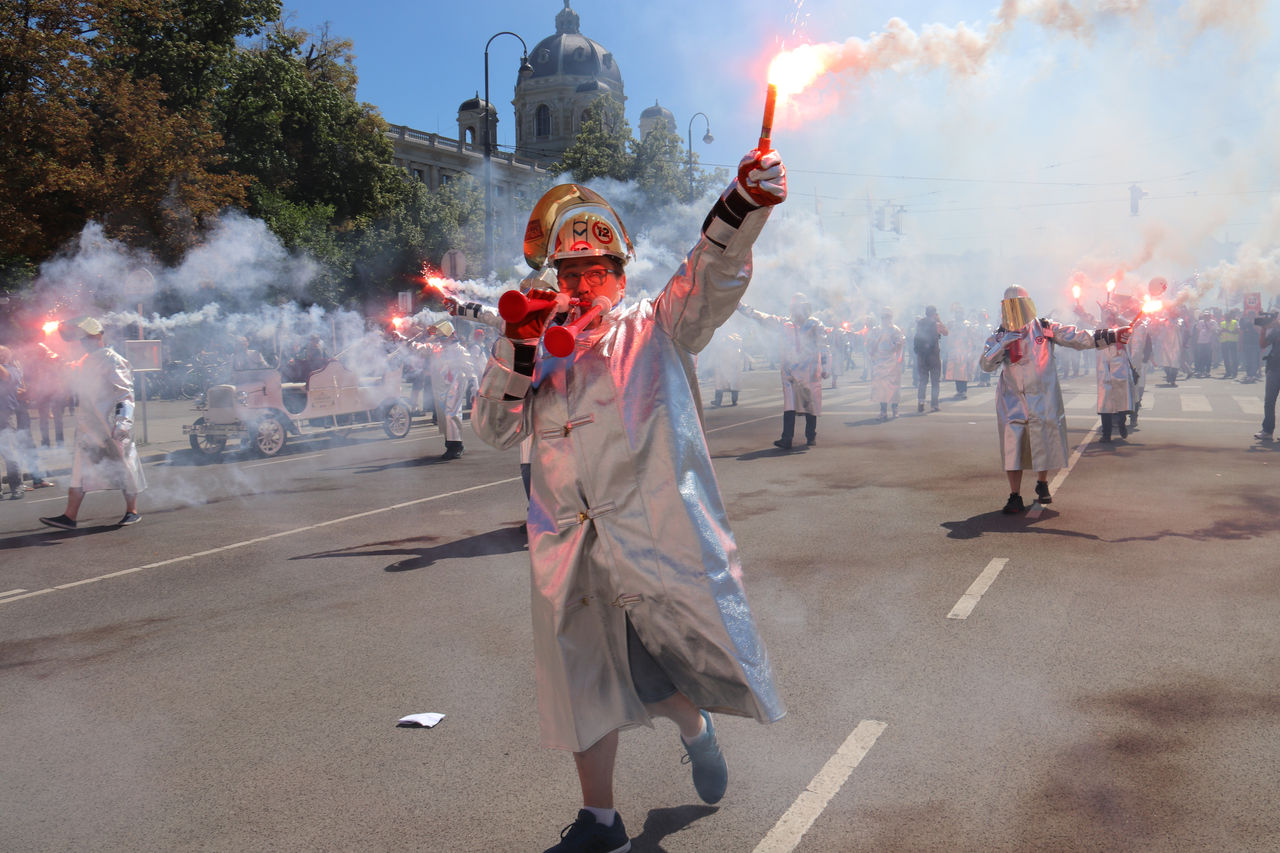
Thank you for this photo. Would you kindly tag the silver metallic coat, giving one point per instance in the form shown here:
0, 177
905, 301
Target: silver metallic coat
1116, 385
625, 517
884, 349
801, 360
105, 456
1029, 411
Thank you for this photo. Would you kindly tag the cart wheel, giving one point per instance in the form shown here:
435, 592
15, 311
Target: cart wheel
207, 446
397, 420
269, 436
192, 386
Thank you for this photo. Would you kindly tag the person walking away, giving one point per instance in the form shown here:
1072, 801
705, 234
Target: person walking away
927, 345
1030, 417
638, 604
105, 457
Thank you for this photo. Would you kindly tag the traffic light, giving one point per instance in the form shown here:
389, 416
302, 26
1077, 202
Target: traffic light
1136, 194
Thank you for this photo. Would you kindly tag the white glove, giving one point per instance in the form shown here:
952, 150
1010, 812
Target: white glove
762, 178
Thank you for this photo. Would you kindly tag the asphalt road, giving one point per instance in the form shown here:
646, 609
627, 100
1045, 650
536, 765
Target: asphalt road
227, 675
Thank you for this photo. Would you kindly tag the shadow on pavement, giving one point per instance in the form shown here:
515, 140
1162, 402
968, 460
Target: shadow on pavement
52, 536
659, 823
997, 522
420, 555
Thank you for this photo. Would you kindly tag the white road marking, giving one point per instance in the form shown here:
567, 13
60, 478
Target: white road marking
786, 833
11, 592
1249, 405
259, 539
742, 423
969, 600
1195, 403
1083, 402
1037, 509
286, 459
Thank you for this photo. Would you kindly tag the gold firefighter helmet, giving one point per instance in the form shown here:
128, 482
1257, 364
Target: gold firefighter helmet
573, 221
1016, 309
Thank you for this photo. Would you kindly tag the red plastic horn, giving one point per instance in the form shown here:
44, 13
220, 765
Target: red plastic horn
514, 306
560, 340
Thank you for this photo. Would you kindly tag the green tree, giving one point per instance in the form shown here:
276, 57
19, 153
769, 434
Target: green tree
659, 167
602, 148
84, 138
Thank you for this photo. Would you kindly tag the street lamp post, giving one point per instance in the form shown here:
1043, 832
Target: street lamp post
707, 139
525, 70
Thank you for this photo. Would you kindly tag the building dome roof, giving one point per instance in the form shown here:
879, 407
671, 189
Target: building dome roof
659, 111
476, 103
570, 52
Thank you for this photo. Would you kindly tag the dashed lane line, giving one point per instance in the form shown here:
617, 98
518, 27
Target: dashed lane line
977, 589
795, 822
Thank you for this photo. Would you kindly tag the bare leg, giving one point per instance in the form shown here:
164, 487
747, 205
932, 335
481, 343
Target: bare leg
130, 501
74, 498
1041, 477
679, 709
1015, 481
595, 771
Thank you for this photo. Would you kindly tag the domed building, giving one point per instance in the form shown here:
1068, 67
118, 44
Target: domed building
570, 71
656, 116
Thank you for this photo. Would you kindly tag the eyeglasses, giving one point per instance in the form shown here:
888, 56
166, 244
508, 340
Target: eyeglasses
591, 278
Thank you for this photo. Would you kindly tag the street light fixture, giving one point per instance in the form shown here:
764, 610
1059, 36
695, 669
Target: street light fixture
707, 139
525, 71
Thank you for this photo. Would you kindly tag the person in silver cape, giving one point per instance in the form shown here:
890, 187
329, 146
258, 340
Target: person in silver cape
1029, 411
637, 598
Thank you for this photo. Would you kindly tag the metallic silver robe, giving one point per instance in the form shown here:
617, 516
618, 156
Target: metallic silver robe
102, 380
1029, 410
625, 516
1116, 386
801, 360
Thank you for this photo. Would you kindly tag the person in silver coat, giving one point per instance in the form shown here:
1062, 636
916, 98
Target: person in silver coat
105, 456
803, 337
1117, 383
637, 598
885, 344
1029, 411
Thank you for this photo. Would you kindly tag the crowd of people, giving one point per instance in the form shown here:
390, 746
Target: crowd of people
638, 606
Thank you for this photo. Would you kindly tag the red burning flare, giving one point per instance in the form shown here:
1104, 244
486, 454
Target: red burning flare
50, 327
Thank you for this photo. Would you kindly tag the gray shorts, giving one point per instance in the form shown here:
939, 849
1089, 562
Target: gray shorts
651, 681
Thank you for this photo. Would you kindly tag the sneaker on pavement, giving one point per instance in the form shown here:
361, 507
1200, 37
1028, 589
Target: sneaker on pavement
588, 835
1014, 504
710, 773
17, 495
129, 518
1042, 493
60, 521
1262, 436
42, 484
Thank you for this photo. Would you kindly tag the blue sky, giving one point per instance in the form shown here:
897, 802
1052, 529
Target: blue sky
1033, 152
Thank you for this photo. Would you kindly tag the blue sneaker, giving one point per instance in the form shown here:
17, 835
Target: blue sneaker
710, 773
588, 835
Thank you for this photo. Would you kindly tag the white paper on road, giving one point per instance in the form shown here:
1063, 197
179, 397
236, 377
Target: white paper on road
419, 721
